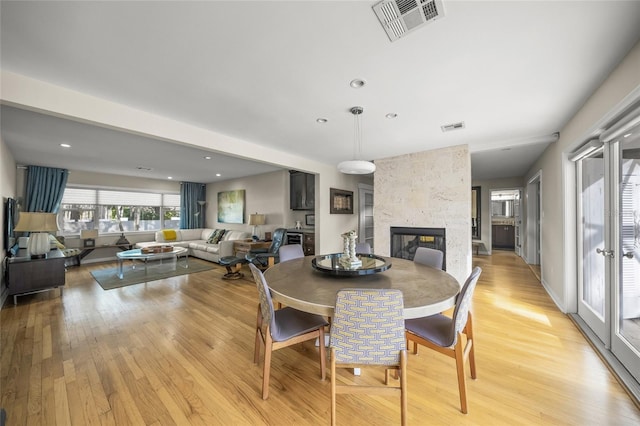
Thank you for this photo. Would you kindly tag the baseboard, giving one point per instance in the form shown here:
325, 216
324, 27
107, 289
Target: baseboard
553, 297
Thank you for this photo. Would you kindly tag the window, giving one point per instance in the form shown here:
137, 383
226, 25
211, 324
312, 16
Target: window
111, 211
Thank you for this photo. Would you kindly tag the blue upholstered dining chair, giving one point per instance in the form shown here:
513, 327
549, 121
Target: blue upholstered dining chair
290, 251
368, 329
428, 256
445, 335
364, 248
282, 328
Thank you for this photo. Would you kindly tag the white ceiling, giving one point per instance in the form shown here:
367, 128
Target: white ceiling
514, 72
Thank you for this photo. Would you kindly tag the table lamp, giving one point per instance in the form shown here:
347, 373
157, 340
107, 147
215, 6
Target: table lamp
39, 225
256, 220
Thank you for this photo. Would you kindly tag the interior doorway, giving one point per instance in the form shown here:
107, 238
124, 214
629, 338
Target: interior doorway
505, 219
532, 252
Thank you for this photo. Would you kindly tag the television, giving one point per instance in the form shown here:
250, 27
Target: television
9, 215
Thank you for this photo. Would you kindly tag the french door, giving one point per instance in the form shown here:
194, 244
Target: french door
608, 183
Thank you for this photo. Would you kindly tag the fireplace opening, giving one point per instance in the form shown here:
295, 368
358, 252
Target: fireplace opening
405, 242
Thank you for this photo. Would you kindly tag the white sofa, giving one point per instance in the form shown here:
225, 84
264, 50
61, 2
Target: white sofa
196, 241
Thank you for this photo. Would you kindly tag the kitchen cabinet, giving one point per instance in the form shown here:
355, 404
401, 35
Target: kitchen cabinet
302, 190
503, 236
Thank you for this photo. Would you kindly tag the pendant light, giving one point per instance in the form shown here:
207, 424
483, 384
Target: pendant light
356, 166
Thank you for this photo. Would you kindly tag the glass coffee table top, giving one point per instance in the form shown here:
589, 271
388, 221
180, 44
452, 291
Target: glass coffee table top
330, 264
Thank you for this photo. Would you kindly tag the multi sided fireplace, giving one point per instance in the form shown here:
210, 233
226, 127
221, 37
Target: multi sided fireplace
405, 241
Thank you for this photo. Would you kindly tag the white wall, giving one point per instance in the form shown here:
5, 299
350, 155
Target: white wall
7, 190
265, 194
558, 251
430, 189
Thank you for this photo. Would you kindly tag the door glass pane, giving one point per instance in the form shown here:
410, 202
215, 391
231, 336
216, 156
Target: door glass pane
592, 195
630, 240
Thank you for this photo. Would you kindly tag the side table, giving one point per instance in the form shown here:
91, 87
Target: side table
241, 248
27, 276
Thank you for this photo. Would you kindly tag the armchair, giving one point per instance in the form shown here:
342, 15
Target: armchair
264, 258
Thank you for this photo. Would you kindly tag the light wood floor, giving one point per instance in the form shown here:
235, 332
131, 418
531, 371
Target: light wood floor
180, 351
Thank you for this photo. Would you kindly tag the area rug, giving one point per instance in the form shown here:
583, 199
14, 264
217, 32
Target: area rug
108, 278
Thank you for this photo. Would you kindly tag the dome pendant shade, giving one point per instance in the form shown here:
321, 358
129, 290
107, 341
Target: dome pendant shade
356, 166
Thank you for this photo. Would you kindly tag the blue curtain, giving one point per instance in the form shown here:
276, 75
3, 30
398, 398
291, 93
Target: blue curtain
191, 214
45, 187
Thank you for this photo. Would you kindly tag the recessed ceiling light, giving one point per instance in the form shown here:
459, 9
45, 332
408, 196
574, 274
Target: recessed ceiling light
357, 83
321, 120
207, 157
218, 175
627, 135
65, 145
169, 177
391, 115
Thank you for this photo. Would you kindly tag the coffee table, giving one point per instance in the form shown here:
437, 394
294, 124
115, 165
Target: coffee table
136, 254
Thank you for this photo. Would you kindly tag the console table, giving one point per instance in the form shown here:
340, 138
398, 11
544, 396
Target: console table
86, 250
27, 276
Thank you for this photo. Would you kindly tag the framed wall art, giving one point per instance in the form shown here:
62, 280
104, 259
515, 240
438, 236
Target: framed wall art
231, 206
341, 201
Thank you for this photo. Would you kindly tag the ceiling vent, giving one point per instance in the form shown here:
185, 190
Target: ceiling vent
400, 17
453, 126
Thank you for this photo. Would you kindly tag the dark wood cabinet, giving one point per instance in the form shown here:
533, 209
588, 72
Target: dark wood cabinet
26, 275
302, 190
503, 236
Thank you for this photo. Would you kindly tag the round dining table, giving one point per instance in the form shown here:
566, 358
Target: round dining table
426, 290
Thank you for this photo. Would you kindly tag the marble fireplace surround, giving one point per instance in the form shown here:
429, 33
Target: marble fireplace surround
429, 189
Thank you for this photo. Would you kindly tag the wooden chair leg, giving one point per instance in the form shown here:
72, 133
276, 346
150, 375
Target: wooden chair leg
471, 341
462, 383
266, 371
323, 355
403, 387
333, 387
256, 350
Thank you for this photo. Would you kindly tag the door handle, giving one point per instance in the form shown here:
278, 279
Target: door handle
628, 254
605, 252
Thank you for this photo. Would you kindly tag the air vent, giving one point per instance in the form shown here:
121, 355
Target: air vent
453, 126
400, 17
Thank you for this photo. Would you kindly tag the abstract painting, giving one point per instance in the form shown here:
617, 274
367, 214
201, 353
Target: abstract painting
231, 206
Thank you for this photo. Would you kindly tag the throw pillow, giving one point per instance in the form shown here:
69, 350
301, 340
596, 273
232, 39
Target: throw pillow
170, 234
216, 236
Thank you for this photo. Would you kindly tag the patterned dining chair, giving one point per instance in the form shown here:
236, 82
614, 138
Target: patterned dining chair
282, 328
290, 251
368, 329
428, 256
445, 335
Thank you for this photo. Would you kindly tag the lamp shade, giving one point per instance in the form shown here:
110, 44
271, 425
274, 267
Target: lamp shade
257, 219
37, 222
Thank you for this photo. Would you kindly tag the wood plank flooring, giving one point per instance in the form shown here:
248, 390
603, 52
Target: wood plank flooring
180, 351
